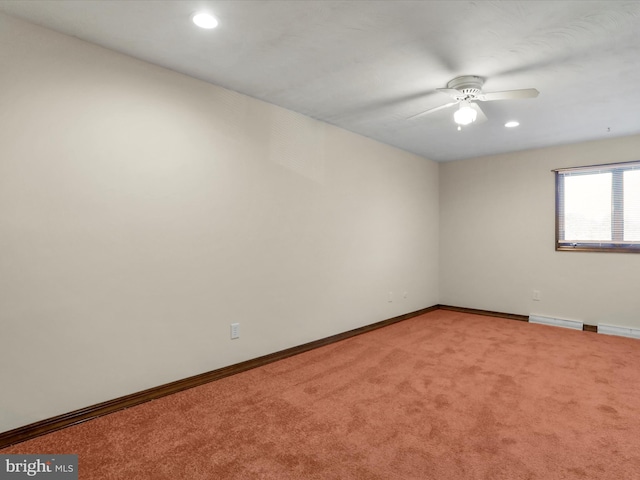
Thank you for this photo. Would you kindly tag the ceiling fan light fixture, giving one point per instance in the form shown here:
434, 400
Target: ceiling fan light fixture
465, 114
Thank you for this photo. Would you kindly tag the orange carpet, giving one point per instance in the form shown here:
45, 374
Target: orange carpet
441, 396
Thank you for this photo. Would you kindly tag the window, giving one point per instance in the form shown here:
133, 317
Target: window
598, 208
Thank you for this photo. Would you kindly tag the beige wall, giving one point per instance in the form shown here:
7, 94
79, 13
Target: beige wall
142, 212
497, 233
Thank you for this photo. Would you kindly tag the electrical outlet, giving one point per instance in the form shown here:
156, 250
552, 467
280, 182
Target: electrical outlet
536, 295
235, 331
405, 295
390, 297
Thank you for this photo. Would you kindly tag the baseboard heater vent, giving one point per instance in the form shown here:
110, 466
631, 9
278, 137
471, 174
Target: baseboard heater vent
556, 322
619, 331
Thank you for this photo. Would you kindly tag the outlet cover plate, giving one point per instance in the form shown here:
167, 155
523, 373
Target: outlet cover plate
235, 331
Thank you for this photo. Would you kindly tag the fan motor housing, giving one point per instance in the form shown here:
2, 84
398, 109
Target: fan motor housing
470, 86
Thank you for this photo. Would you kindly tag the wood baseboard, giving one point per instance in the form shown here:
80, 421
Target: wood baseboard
488, 313
59, 422
510, 316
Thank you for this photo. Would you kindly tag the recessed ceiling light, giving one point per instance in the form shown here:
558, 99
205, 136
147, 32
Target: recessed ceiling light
512, 124
204, 20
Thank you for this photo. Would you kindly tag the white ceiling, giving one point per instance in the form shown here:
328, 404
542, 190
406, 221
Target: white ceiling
367, 66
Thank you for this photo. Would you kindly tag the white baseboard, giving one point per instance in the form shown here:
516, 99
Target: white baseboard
556, 322
619, 331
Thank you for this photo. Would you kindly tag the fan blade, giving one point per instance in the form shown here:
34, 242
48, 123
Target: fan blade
481, 116
509, 95
452, 92
431, 110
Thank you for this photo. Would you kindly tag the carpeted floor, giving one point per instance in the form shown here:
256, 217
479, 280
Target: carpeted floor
441, 396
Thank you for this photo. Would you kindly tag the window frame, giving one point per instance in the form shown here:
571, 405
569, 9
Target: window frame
617, 215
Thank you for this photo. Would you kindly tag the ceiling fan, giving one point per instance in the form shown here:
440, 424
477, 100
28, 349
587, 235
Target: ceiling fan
466, 90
